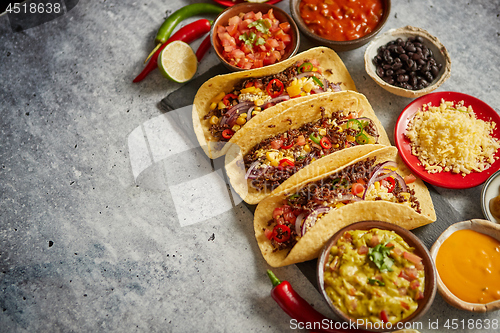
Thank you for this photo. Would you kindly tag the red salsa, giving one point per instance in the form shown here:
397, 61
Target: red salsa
253, 40
341, 20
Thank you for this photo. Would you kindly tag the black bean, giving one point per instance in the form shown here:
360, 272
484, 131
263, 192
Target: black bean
419, 39
380, 72
421, 62
429, 77
402, 78
387, 66
400, 71
388, 79
397, 65
414, 67
392, 48
400, 50
403, 57
410, 48
417, 44
410, 54
400, 41
413, 81
389, 72
416, 56
434, 71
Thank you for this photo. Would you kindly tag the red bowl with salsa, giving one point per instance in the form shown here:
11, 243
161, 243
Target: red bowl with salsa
342, 25
253, 35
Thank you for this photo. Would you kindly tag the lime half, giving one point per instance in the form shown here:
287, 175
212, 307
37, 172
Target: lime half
178, 62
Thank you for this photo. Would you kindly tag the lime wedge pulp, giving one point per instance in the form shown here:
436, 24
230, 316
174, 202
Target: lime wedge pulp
178, 62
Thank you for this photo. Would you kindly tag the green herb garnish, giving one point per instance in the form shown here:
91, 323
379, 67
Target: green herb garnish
261, 25
375, 281
379, 255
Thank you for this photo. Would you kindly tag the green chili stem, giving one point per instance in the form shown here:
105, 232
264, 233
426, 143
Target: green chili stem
273, 278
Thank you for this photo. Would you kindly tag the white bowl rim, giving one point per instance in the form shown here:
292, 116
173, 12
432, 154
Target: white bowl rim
479, 225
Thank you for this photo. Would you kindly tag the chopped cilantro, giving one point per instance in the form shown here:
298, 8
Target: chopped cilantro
375, 281
261, 25
380, 256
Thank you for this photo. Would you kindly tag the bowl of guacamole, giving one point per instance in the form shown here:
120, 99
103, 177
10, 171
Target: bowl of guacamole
377, 275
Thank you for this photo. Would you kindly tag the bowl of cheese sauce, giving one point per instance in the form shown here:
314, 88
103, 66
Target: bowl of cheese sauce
467, 258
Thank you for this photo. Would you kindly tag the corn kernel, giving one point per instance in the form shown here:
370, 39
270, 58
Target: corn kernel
214, 120
307, 148
236, 128
241, 121
275, 163
349, 138
406, 195
243, 115
221, 105
340, 130
339, 204
255, 113
322, 131
377, 186
336, 145
249, 90
213, 106
257, 108
293, 90
258, 102
217, 98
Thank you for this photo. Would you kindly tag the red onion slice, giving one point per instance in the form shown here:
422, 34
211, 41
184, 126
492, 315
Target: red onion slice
278, 99
312, 218
249, 113
298, 222
251, 168
383, 171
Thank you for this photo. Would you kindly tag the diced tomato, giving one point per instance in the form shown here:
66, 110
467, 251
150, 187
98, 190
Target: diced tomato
286, 38
383, 316
272, 43
237, 54
280, 220
363, 249
412, 258
281, 46
352, 291
403, 275
419, 267
277, 212
285, 26
229, 48
374, 241
412, 273
276, 144
258, 63
249, 16
269, 234
277, 55
258, 16
357, 188
221, 29
409, 178
301, 140
235, 20
347, 236
396, 252
232, 29
419, 295
286, 208
289, 217
414, 284
405, 305
268, 60
402, 291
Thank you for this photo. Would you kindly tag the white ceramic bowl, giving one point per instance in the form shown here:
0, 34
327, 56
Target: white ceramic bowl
491, 189
484, 227
439, 52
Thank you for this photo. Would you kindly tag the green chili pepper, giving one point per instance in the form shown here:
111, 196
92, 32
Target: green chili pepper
318, 82
373, 281
314, 138
355, 125
335, 181
293, 196
305, 67
362, 139
178, 16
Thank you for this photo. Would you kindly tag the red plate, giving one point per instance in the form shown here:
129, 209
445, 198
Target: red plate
229, 3
445, 179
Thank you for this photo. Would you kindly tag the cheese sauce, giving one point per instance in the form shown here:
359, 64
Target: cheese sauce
468, 263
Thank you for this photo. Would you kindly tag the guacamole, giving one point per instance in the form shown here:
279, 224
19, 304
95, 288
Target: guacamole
373, 275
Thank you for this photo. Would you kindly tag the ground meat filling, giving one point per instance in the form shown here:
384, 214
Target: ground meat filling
335, 186
272, 176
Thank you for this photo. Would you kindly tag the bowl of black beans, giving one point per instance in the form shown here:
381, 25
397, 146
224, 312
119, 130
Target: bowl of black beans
408, 62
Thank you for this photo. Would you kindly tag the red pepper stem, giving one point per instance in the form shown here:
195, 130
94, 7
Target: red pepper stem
273, 278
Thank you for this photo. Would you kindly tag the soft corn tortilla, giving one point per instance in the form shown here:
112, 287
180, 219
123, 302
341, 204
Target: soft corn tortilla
292, 118
332, 68
310, 245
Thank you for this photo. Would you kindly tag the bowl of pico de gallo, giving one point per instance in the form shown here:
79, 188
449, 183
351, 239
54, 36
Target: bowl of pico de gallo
253, 35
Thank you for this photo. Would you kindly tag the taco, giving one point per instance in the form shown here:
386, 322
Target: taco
226, 103
265, 157
293, 225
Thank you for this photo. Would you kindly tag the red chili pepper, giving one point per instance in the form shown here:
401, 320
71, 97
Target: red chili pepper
227, 133
325, 143
270, 90
203, 48
186, 34
392, 184
383, 316
285, 233
298, 308
285, 162
288, 146
225, 100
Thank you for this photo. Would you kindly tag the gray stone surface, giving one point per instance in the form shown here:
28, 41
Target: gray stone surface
88, 245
